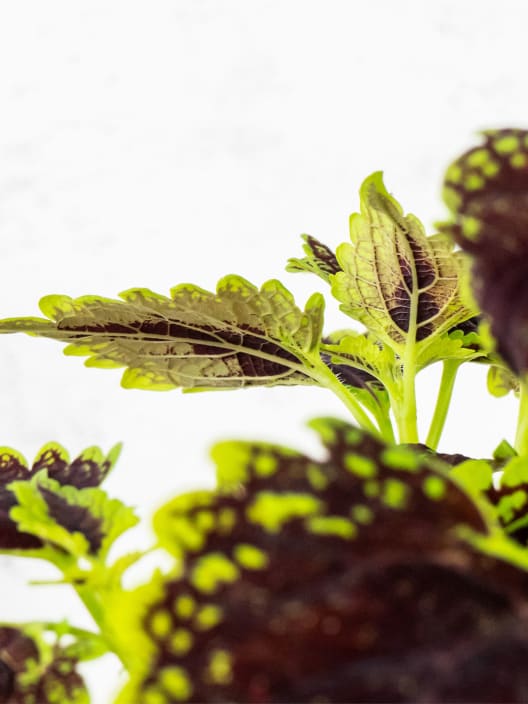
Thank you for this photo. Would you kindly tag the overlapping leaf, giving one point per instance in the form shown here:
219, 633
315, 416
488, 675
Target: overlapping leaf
33, 673
486, 190
340, 580
58, 502
396, 281
238, 336
319, 260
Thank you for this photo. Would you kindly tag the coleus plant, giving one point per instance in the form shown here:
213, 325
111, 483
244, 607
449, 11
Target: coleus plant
386, 572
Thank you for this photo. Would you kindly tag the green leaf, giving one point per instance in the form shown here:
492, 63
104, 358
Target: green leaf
396, 281
360, 352
79, 521
319, 260
501, 381
297, 574
504, 451
238, 336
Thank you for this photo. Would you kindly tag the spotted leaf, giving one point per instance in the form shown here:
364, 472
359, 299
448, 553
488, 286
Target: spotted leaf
238, 336
402, 285
34, 672
345, 579
486, 190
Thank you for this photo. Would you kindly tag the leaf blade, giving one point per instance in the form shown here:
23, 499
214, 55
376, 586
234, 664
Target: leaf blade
237, 336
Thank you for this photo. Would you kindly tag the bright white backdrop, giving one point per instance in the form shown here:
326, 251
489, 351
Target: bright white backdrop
146, 144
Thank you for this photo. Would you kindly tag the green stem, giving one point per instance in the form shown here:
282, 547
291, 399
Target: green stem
406, 417
521, 435
447, 383
322, 374
95, 606
385, 426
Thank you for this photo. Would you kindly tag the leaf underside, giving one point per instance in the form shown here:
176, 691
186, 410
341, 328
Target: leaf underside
302, 580
238, 336
394, 279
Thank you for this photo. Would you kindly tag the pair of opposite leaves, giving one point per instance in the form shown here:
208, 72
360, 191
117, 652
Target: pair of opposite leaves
403, 286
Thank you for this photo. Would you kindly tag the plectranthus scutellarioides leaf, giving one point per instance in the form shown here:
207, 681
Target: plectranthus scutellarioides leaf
37, 673
341, 580
486, 190
319, 260
58, 502
399, 283
238, 336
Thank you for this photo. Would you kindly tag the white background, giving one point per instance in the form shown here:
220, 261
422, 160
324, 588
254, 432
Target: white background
146, 144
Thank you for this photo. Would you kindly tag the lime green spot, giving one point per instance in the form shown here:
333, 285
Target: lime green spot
362, 514
175, 682
226, 519
395, 493
161, 623
208, 617
220, 667
475, 475
478, 158
474, 182
232, 461
204, 520
183, 532
400, 458
353, 436
272, 510
265, 465
506, 145
362, 466
515, 472
454, 173
184, 606
153, 695
317, 477
371, 489
212, 570
434, 487
518, 161
325, 429
250, 557
451, 198
491, 169
470, 227
65, 667
332, 525
180, 641
510, 504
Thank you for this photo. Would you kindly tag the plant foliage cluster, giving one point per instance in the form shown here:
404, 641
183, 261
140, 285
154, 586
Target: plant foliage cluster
386, 571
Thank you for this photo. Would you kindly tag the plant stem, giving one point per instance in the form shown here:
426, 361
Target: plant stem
406, 418
447, 383
385, 426
322, 374
521, 435
94, 604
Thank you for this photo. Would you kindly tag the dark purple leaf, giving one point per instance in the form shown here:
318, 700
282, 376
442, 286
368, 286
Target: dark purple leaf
487, 192
344, 580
